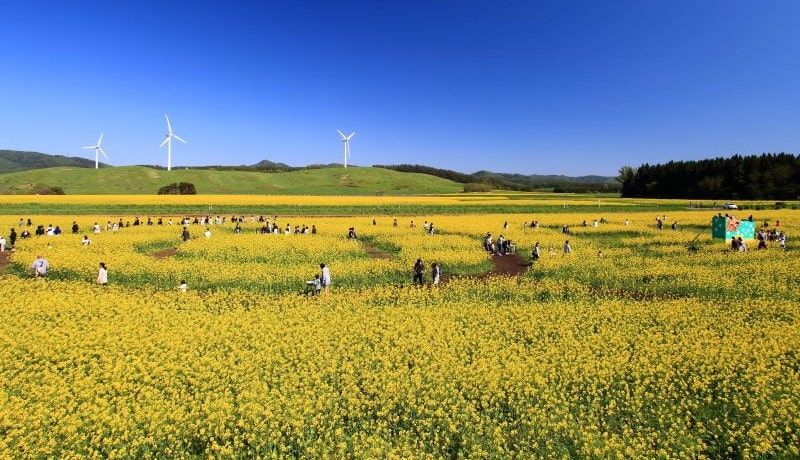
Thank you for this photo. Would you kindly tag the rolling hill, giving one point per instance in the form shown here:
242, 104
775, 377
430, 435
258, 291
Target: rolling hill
15, 160
146, 181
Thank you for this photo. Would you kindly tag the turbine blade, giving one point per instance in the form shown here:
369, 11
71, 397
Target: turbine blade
100, 141
341, 134
104, 153
165, 141
179, 138
169, 126
90, 147
351, 135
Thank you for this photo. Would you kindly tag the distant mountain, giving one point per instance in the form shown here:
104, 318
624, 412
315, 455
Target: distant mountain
15, 160
520, 182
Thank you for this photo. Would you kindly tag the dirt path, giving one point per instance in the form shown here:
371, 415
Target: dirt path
507, 265
164, 253
373, 252
5, 259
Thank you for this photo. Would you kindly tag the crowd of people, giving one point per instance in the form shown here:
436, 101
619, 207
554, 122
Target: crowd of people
321, 282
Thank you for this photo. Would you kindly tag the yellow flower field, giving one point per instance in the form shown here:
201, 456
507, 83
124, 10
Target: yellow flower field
641, 343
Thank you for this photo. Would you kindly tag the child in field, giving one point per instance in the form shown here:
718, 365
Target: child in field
39, 267
86, 241
183, 286
535, 253
102, 275
207, 233
314, 286
567, 247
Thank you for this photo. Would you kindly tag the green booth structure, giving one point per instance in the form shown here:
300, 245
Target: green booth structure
728, 227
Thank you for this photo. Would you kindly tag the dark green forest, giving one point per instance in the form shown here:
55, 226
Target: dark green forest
767, 176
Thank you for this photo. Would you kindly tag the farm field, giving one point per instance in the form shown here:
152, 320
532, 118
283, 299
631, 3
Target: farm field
641, 343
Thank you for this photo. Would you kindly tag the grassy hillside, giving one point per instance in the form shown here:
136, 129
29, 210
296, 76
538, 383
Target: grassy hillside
15, 160
143, 180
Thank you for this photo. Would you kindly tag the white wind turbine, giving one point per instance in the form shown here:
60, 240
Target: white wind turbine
346, 140
97, 151
168, 140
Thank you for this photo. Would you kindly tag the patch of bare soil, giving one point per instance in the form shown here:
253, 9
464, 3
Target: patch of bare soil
507, 265
374, 253
164, 253
5, 259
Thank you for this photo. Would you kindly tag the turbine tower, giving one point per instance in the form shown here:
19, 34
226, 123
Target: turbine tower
346, 140
168, 140
97, 151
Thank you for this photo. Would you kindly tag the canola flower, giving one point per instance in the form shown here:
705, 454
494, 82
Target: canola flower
650, 351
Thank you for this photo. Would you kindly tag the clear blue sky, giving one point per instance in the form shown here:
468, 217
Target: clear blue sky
570, 87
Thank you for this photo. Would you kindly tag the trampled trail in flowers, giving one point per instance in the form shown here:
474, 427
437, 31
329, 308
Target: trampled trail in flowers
629, 346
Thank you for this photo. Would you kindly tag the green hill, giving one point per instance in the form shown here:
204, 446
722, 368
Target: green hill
146, 181
15, 160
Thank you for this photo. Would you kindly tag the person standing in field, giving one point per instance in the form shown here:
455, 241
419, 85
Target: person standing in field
535, 253
207, 233
185, 234
183, 286
326, 277
2, 243
436, 273
419, 269
12, 238
102, 275
567, 247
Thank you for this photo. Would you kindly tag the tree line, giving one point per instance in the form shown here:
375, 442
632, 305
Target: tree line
768, 176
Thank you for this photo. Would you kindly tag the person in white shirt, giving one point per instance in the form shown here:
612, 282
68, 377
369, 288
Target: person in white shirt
207, 233
183, 286
2, 244
86, 241
39, 267
326, 277
102, 275
567, 247
96, 228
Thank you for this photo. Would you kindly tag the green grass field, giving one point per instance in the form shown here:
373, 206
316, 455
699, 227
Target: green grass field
140, 180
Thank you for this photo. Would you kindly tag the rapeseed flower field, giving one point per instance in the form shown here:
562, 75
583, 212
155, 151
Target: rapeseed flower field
640, 343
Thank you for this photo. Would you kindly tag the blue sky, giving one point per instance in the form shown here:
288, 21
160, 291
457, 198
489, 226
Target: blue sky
562, 87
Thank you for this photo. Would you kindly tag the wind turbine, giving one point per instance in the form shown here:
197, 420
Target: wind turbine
97, 151
168, 140
346, 140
